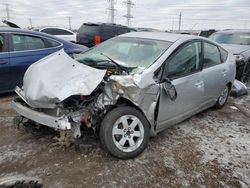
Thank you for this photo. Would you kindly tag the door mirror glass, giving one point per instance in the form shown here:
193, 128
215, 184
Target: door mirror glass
169, 89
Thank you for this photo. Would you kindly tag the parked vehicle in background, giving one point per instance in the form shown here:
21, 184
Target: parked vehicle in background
59, 32
127, 88
144, 29
20, 48
11, 24
238, 43
206, 33
91, 34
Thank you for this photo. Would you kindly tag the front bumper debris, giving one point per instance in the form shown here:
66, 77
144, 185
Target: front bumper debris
58, 123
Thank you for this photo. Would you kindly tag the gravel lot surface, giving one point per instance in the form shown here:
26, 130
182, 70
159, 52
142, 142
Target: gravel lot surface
211, 149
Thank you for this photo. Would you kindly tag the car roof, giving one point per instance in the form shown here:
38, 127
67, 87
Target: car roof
50, 27
170, 37
11, 29
231, 31
101, 24
17, 30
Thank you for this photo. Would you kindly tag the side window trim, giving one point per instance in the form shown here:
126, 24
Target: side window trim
11, 48
162, 67
220, 49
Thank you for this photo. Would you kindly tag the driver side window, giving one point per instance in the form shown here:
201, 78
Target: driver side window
184, 62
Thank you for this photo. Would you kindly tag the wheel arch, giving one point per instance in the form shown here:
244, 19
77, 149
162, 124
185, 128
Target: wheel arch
229, 84
122, 101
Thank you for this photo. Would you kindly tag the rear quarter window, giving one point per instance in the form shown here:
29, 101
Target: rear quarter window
89, 29
224, 55
50, 43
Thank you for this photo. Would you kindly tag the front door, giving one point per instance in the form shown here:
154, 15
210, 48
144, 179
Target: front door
183, 68
5, 81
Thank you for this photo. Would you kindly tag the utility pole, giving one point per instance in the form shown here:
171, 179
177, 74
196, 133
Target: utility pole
172, 26
129, 5
30, 20
7, 11
111, 9
69, 22
180, 22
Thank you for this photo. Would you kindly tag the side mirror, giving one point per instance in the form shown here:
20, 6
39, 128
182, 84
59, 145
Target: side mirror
169, 89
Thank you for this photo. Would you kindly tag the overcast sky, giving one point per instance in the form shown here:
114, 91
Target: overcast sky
160, 14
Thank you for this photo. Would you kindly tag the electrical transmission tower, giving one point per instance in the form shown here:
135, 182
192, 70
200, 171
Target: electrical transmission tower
129, 5
111, 9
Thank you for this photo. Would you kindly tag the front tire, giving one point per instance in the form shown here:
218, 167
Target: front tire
124, 132
222, 98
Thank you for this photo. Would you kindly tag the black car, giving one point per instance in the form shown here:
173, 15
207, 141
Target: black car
206, 33
238, 43
91, 34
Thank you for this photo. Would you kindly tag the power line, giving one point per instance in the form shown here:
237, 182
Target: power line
111, 9
129, 5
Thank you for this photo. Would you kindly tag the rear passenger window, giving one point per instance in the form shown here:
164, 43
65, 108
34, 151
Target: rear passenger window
224, 54
56, 31
122, 31
24, 42
1, 43
211, 55
49, 31
109, 31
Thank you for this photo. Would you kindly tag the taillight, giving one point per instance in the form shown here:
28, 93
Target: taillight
97, 39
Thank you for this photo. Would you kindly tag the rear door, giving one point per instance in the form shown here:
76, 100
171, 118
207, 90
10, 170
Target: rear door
214, 73
184, 69
5, 81
25, 50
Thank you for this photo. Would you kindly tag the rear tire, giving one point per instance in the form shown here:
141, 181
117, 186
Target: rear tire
124, 132
221, 101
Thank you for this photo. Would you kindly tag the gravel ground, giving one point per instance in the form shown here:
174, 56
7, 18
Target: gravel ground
211, 149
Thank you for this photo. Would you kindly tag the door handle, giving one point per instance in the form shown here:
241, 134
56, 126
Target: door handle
3, 62
199, 84
224, 72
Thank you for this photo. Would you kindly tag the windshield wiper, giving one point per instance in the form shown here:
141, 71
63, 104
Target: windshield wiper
113, 61
121, 67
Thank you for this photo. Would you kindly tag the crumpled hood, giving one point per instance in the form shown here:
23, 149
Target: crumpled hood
236, 49
57, 77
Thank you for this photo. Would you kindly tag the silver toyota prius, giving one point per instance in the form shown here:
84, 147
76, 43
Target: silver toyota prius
128, 88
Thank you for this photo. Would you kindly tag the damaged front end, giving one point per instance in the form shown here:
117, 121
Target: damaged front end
64, 94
